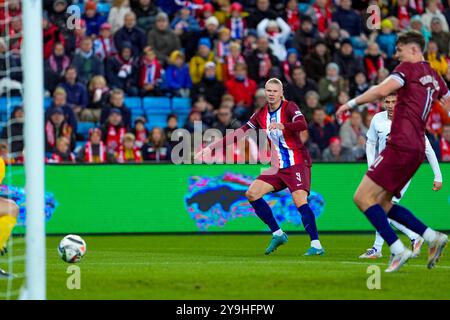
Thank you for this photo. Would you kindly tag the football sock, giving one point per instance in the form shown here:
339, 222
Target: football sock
397, 247
377, 217
7, 224
429, 235
409, 233
309, 221
279, 233
379, 241
316, 244
406, 218
264, 212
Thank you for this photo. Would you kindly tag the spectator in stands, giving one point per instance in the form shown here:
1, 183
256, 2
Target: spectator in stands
116, 101
204, 13
222, 46
177, 75
261, 12
382, 74
194, 116
129, 33
331, 85
359, 85
51, 34
278, 32
128, 151
241, 87
320, 12
56, 126
312, 101
210, 87
225, 120
447, 13
373, 60
315, 63
86, 62
404, 12
320, 130
58, 14
198, 62
184, 22
140, 131
55, 67
348, 19
336, 152
416, 24
211, 32
436, 59
13, 131
387, 38
313, 149
93, 19
333, 39
146, 11
431, 11
437, 118
11, 70
74, 38
262, 64
98, 99
62, 152
445, 143
291, 15
353, 135
206, 110
171, 126
348, 63
104, 46
150, 72
157, 149
117, 14
231, 60
260, 99
113, 131
296, 91
60, 101
162, 39
77, 96
94, 151
237, 23
122, 70
439, 36
305, 37
292, 61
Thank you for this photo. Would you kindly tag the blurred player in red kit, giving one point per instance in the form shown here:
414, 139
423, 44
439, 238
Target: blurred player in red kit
417, 86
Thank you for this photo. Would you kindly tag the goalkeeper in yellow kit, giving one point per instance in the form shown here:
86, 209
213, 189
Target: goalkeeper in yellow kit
9, 211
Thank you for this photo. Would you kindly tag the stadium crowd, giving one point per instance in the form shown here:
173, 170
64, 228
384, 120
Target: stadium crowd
217, 55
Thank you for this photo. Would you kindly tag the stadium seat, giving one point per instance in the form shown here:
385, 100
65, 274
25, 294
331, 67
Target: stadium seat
83, 129
157, 104
133, 103
47, 102
181, 104
78, 146
103, 8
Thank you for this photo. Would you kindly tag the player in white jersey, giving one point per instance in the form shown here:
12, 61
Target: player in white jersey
379, 131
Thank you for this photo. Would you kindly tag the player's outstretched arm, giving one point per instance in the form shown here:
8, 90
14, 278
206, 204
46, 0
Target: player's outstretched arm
389, 85
432, 159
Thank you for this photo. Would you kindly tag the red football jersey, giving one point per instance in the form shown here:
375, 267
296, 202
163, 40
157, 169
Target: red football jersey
287, 143
421, 85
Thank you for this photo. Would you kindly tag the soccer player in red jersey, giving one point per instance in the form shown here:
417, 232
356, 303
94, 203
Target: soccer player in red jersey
282, 121
417, 86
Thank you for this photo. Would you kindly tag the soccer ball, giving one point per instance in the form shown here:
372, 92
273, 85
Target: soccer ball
72, 248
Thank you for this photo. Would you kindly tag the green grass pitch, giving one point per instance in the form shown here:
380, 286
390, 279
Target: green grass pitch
235, 267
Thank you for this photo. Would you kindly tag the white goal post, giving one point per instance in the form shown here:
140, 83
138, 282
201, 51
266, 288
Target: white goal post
33, 74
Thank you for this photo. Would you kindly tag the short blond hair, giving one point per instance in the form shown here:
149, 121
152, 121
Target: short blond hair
278, 82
